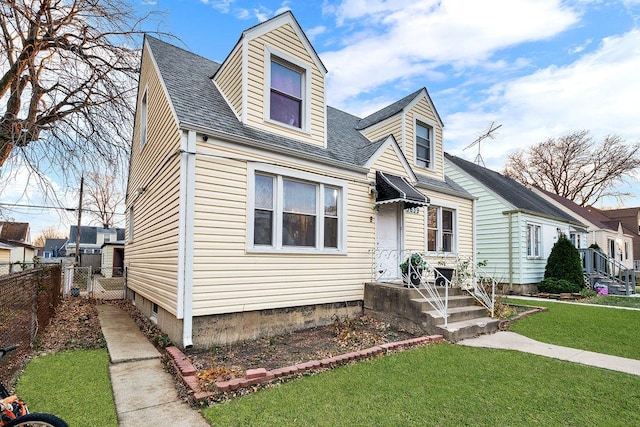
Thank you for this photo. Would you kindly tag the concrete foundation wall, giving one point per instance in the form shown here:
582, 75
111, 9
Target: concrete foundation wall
222, 329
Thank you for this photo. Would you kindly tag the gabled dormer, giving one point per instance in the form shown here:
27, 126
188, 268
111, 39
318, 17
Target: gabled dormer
274, 80
416, 125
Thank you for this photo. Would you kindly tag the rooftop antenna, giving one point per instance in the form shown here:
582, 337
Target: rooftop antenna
488, 134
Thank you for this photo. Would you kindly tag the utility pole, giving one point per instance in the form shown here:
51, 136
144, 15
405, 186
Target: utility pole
79, 218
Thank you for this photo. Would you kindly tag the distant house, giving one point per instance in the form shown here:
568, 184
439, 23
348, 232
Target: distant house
515, 228
630, 219
91, 239
54, 248
112, 259
16, 235
609, 234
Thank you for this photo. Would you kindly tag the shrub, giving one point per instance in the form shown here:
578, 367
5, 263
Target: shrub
564, 263
557, 286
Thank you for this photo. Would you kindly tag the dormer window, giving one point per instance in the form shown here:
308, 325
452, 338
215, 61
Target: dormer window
286, 93
424, 145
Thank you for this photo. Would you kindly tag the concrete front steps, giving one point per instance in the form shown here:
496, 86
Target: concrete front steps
407, 307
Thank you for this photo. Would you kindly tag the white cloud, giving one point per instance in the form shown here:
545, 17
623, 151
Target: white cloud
598, 92
314, 32
409, 39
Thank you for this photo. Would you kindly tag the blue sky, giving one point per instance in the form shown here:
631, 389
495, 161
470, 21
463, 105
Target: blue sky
540, 68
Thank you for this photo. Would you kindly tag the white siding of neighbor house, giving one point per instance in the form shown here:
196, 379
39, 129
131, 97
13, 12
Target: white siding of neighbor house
229, 79
152, 254
492, 233
228, 278
284, 39
107, 261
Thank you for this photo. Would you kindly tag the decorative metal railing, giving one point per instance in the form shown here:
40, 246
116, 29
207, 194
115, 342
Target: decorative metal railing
596, 262
414, 269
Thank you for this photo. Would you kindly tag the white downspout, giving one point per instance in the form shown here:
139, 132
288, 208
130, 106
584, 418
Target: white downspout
186, 232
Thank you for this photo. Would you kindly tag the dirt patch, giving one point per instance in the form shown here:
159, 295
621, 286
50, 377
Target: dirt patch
352, 334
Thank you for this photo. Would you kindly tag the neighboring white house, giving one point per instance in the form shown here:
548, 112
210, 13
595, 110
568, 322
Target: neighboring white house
91, 239
515, 228
607, 233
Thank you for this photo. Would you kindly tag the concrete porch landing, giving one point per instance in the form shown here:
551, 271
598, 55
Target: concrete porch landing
410, 310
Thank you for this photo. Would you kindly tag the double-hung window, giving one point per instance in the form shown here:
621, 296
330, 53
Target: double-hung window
424, 140
295, 211
440, 229
534, 237
286, 95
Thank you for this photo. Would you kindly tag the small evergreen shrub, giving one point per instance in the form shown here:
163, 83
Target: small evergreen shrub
564, 263
557, 286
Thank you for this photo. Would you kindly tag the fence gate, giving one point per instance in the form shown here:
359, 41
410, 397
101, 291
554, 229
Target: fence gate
77, 281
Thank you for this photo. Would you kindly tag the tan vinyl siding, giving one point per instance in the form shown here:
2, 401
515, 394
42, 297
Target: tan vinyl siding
152, 256
285, 40
388, 161
391, 126
423, 109
229, 80
228, 279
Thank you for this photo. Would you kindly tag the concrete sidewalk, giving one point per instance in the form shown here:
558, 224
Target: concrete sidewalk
144, 392
511, 341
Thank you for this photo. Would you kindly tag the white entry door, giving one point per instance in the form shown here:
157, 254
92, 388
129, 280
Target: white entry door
388, 242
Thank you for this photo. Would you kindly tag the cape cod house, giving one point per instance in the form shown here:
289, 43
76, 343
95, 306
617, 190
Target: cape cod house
254, 208
515, 227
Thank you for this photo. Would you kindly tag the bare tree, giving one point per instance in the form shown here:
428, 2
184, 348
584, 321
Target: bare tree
68, 77
102, 197
50, 232
575, 167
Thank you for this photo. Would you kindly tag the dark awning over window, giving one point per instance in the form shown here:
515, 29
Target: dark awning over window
395, 189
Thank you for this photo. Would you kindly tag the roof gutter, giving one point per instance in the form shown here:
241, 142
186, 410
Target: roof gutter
541, 215
269, 147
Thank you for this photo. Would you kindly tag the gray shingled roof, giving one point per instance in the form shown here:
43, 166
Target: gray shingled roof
591, 214
388, 111
447, 186
512, 191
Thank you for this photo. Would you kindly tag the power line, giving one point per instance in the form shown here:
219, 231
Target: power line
18, 205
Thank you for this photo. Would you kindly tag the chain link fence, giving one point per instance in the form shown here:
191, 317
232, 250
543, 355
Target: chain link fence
27, 302
16, 267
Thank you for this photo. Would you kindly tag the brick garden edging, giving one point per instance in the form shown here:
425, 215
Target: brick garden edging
187, 371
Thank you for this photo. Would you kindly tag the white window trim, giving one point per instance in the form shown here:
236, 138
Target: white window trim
440, 206
320, 180
305, 115
540, 249
144, 118
425, 121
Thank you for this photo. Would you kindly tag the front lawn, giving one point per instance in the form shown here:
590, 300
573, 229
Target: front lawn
617, 301
444, 385
74, 385
600, 329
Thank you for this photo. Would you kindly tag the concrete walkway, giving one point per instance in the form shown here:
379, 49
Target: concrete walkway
511, 341
144, 392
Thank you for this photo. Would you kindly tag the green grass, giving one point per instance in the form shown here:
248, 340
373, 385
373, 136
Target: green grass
633, 302
444, 385
74, 385
600, 329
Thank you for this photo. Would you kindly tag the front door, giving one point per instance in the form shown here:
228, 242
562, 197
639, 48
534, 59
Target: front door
388, 242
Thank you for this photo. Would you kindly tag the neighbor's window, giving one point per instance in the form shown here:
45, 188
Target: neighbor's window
534, 235
289, 212
286, 94
626, 250
575, 239
424, 135
440, 229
